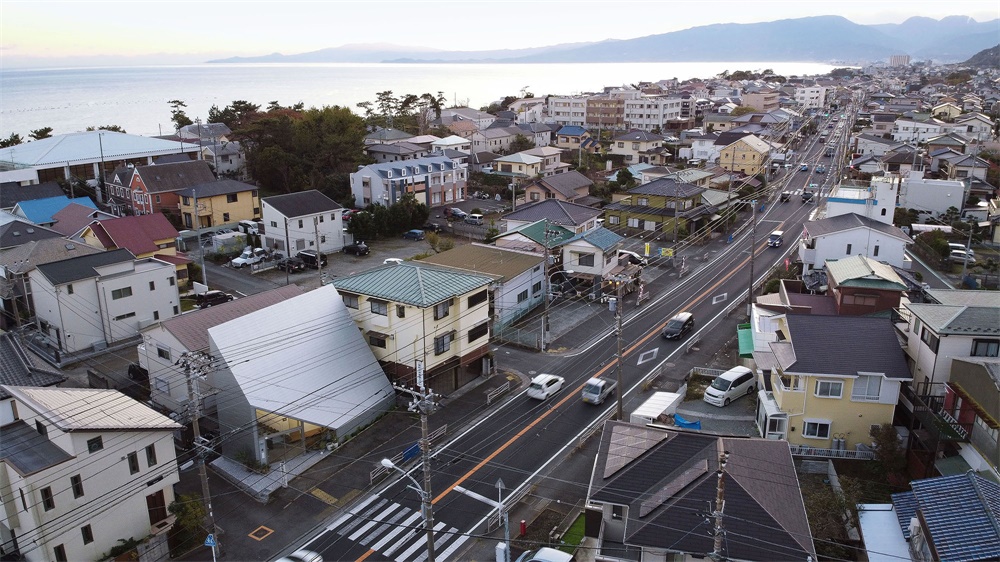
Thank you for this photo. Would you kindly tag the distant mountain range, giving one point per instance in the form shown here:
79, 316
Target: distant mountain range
812, 39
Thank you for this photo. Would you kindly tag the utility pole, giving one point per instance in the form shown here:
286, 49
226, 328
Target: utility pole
753, 232
720, 504
197, 226
548, 289
319, 252
196, 364
423, 402
619, 280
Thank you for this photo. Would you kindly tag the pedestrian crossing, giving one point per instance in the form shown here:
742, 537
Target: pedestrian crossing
395, 531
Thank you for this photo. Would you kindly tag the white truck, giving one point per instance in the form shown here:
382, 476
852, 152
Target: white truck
597, 389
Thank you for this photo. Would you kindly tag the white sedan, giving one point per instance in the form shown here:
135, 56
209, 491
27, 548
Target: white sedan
543, 386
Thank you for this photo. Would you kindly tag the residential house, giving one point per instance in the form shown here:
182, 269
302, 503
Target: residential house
843, 236
874, 199
811, 97
748, 155
453, 142
386, 135
717, 123
862, 286
639, 146
539, 133
883, 124
763, 100
961, 166
932, 197
917, 130
12, 193
952, 325
870, 145
572, 216
972, 397
16, 262
605, 112
592, 256
496, 139
946, 111
572, 187
145, 236
163, 343
664, 206
77, 484
951, 517
395, 152
227, 159
302, 221
414, 313
314, 383
520, 284
651, 485
432, 180
218, 203
144, 190
973, 126
953, 141
480, 119
551, 156
571, 137
528, 110
98, 300
42, 211
538, 235
85, 155
704, 147
207, 132
653, 113
19, 370
814, 394
520, 166
73, 218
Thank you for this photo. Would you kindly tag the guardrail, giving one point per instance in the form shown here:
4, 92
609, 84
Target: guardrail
494, 520
595, 426
496, 392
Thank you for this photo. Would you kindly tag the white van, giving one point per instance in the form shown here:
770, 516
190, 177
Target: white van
474, 218
736, 382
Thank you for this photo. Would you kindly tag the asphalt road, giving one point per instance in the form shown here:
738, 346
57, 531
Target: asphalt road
526, 438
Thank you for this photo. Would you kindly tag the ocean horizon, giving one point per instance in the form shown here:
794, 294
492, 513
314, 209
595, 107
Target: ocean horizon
137, 98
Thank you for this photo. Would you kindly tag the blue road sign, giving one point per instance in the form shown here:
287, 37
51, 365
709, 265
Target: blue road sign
210, 541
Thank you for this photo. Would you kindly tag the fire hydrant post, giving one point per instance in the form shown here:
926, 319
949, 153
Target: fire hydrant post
524, 527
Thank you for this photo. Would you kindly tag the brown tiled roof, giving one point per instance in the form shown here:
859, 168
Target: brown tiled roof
139, 234
159, 178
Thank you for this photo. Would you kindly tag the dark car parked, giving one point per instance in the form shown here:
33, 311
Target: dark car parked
311, 259
291, 265
358, 249
415, 234
432, 227
210, 298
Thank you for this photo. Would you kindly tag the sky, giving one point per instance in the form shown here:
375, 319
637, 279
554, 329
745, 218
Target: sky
83, 33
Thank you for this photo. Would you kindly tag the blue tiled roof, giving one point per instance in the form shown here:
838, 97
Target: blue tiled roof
571, 130
40, 211
599, 237
962, 513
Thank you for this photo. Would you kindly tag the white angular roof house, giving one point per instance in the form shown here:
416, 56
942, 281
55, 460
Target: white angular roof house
293, 375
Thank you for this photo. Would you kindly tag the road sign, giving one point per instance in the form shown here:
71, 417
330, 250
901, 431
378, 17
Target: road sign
210, 541
420, 374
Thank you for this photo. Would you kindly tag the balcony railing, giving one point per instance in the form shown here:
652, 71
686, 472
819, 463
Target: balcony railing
816, 452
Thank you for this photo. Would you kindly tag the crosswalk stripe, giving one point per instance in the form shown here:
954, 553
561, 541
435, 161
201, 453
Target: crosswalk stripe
440, 541
446, 555
419, 544
374, 521
361, 518
392, 522
356, 509
404, 527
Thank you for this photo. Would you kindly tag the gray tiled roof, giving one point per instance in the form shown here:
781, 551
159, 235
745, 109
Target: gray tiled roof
12, 193
220, 187
82, 267
958, 319
556, 211
17, 368
302, 203
27, 450
417, 284
961, 513
175, 176
849, 221
667, 187
18, 232
845, 345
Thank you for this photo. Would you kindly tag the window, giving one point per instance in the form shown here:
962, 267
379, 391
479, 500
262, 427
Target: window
376, 339
48, 502
478, 298
400, 311
479, 331
443, 343
829, 389
617, 511
883, 212
930, 339
848, 249
125, 316
225, 217
985, 348
161, 385
643, 201
60, 553
170, 281
274, 224
522, 296
185, 200
69, 289
95, 444
77, 484
24, 502
232, 198
816, 429
633, 222
866, 388
300, 223
614, 219
350, 301
150, 455
133, 463
121, 293
177, 310
536, 288
586, 260
379, 307
442, 309
156, 315
88, 534
875, 252
152, 286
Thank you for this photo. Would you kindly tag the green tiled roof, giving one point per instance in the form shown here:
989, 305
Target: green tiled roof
599, 237
412, 283
536, 232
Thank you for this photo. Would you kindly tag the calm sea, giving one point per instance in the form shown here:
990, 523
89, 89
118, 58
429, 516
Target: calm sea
136, 98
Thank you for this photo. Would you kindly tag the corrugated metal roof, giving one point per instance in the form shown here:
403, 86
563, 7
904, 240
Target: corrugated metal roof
17, 368
859, 271
479, 258
27, 450
88, 409
418, 284
40, 211
90, 146
81, 267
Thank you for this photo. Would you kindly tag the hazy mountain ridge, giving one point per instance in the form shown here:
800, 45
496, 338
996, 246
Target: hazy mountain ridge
987, 58
817, 39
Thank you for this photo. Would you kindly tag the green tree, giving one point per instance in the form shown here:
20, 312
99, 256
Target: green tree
43, 133
114, 128
13, 140
239, 114
177, 114
888, 452
743, 110
520, 143
189, 511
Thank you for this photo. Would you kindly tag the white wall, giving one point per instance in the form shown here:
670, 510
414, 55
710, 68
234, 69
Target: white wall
303, 231
862, 241
932, 195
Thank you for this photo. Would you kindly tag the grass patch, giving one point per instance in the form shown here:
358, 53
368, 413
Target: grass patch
573, 536
696, 386
188, 304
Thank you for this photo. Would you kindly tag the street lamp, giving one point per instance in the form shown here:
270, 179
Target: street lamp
426, 508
